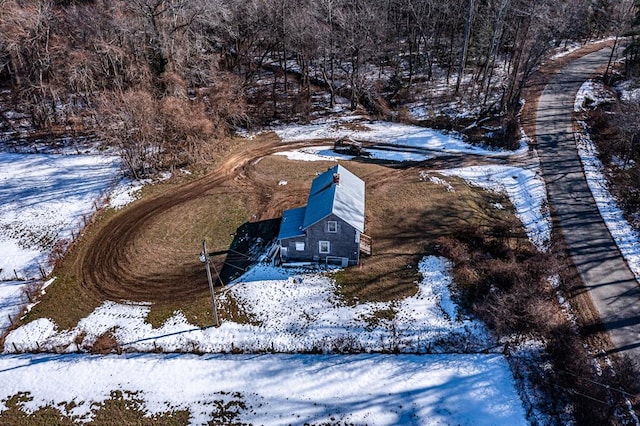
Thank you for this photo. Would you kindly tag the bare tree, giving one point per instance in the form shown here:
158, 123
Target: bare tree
130, 122
156, 134
167, 28
465, 43
25, 37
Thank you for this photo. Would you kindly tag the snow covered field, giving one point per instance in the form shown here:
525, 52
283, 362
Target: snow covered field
44, 199
293, 311
281, 389
296, 312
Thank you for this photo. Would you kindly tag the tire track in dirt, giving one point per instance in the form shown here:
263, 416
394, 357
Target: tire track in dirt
110, 265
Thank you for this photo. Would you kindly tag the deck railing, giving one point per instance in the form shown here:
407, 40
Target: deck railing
366, 244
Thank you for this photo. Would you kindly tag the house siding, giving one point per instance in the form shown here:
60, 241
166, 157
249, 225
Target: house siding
342, 243
294, 255
336, 195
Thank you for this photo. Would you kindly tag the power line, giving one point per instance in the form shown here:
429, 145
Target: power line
608, 387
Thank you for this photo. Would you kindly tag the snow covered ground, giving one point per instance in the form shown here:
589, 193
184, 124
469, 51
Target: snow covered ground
626, 238
435, 141
629, 91
44, 199
293, 312
13, 298
280, 389
296, 312
526, 191
326, 153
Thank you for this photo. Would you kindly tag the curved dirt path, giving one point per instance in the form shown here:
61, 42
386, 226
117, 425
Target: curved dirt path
111, 266
108, 269
611, 285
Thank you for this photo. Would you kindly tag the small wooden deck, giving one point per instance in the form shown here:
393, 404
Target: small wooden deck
366, 244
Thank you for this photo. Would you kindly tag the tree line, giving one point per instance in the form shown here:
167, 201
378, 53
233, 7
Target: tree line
171, 75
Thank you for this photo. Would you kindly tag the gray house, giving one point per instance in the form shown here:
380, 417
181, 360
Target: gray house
330, 228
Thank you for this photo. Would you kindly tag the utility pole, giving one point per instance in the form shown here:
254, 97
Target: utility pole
204, 258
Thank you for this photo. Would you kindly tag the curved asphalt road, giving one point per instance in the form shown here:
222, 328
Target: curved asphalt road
613, 288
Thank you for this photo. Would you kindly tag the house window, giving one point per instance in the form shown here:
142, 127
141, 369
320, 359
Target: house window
299, 245
325, 247
332, 226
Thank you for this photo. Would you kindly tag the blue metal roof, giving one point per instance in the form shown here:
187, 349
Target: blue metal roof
291, 224
344, 198
323, 180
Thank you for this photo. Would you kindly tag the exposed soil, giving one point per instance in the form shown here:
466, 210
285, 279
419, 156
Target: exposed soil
133, 254
121, 264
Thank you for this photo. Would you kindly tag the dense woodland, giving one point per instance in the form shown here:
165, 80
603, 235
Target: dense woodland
171, 76
164, 81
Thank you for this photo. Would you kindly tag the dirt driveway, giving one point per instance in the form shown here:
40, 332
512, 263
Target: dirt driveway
119, 263
122, 261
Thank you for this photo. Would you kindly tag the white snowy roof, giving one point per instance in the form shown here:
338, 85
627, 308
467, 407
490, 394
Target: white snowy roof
344, 198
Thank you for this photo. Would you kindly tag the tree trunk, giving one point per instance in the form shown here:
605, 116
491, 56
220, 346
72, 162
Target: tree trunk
465, 44
495, 42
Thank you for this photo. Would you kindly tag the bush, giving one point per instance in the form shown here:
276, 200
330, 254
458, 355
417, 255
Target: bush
157, 134
617, 135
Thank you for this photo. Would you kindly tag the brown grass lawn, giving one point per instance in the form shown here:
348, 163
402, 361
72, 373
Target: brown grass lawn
404, 217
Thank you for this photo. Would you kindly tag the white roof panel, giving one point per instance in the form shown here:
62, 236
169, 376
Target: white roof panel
344, 199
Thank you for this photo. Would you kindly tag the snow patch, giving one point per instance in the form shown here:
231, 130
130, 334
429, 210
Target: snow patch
629, 91
424, 176
526, 191
627, 239
400, 135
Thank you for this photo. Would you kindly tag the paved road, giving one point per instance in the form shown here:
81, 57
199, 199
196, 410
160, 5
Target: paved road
613, 288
